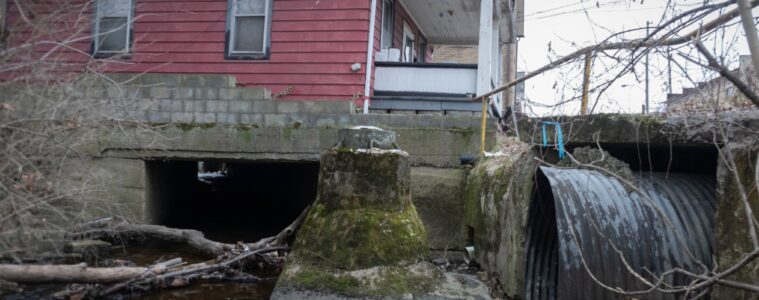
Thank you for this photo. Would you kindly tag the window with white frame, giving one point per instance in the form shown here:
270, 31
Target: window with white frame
388, 15
113, 27
248, 28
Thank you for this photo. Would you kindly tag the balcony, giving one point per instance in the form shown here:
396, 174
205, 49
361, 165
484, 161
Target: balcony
425, 87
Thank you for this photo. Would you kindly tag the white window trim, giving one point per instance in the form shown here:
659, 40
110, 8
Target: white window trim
382, 26
96, 37
232, 27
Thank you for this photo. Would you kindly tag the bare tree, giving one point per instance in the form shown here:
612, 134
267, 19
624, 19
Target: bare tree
54, 100
686, 33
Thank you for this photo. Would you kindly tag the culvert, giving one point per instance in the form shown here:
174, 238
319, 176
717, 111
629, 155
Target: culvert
242, 201
586, 232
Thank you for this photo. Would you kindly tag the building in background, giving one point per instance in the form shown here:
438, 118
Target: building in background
717, 94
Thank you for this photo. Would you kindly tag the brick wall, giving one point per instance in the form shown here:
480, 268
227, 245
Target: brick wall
454, 54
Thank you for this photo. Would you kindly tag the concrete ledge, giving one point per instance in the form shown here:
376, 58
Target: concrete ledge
278, 138
694, 130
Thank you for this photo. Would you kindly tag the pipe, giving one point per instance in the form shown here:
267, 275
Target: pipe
369, 56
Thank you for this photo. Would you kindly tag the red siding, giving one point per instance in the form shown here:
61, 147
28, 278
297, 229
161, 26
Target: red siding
313, 45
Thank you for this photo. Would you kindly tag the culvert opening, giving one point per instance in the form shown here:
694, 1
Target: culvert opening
229, 200
581, 222
662, 158
542, 247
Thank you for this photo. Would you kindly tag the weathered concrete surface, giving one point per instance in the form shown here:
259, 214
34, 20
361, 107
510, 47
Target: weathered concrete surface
732, 231
108, 186
366, 138
451, 286
362, 236
497, 201
438, 194
430, 140
694, 129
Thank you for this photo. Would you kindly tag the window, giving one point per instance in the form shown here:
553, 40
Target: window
113, 27
388, 14
248, 29
730, 91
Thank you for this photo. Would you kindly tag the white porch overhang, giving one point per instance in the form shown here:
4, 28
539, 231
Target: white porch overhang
485, 23
457, 22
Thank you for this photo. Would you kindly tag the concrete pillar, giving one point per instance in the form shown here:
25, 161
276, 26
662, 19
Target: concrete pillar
362, 236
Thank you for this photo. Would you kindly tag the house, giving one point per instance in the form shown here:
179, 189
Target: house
717, 94
376, 53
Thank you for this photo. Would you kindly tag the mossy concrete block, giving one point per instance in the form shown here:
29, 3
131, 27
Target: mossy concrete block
497, 201
438, 195
364, 179
732, 231
362, 237
353, 239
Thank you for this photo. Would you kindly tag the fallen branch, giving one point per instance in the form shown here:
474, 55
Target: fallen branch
227, 255
67, 273
185, 275
192, 238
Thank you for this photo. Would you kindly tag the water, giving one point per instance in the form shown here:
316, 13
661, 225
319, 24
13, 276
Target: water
151, 252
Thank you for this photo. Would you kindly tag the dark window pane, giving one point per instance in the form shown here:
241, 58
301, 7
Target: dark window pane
387, 24
249, 34
113, 32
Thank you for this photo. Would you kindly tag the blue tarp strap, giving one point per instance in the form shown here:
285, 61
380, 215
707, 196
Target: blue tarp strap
559, 137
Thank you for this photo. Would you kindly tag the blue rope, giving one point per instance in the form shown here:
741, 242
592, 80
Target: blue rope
559, 138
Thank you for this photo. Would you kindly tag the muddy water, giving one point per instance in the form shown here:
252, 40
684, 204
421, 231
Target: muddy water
149, 253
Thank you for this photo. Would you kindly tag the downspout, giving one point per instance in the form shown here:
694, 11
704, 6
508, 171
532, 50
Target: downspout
369, 56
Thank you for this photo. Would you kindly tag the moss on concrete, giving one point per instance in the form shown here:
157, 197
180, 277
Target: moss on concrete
353, 179
193, 125
607, 128
732, 236
497, 200
351, 239
362, 236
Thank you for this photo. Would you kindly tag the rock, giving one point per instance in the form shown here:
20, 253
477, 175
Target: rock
88, 248
419, 281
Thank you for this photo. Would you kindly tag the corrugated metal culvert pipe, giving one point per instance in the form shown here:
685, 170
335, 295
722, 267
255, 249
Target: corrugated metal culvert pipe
585, 230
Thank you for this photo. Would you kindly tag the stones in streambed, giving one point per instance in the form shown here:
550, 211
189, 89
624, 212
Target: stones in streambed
363, 237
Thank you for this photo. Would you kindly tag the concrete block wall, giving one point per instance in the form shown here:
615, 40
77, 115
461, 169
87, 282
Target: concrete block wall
163, 104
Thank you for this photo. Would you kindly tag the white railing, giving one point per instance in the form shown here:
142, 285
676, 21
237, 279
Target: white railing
421, 78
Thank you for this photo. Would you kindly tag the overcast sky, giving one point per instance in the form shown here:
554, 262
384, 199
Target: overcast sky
570, 24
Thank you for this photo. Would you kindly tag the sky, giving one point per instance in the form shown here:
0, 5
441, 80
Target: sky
558, 27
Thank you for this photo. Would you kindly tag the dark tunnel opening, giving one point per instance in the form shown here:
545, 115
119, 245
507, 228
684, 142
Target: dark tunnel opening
229, 201
542, 246
663, 158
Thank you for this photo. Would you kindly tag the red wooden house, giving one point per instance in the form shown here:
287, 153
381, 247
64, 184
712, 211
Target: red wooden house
370, 51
